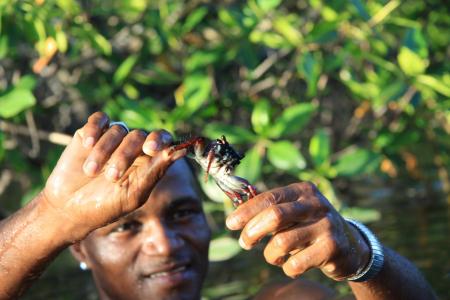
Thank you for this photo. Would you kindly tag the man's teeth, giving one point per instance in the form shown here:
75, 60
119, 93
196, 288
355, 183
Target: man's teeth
161, 274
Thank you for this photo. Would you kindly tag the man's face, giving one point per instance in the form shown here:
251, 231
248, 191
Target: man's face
160, 251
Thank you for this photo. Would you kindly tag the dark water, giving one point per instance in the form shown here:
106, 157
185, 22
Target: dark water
416, 226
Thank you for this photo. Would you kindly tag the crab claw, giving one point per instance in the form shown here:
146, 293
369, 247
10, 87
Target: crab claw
236, 188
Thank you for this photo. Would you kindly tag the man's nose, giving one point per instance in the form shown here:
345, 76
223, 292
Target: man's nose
160, 239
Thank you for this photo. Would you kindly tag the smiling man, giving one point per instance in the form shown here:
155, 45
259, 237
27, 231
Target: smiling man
129, 209
159, 251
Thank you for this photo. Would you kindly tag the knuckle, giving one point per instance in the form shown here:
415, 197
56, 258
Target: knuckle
280, 241
271, 199
275, 215
332, 246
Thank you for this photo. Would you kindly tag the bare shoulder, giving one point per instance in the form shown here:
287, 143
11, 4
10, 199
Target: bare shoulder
297, 289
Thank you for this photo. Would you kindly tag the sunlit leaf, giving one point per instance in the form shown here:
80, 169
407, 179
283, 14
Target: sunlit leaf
292, 120
261, 116
16, 101
223, 248
197, 91
27, 82
210, 188
234, 134
250, 167
356, 161
194, 18
410, 62
434, 83
200, 59
124, 69
319, 147
285, 156
288, 30
268, 5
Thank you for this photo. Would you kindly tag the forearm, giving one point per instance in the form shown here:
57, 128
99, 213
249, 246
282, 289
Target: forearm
29, 240
398, 279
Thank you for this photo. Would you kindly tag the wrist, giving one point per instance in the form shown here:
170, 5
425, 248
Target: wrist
369, 269
58, 223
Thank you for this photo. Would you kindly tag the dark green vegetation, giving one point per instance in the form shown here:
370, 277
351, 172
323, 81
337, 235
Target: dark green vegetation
341, 93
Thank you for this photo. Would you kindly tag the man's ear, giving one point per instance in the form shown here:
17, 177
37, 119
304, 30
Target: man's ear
79, 253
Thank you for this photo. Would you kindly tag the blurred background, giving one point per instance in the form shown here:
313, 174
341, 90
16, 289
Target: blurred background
351, 95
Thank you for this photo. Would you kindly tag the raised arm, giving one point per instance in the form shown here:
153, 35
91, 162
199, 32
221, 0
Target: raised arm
307, 232
101, 175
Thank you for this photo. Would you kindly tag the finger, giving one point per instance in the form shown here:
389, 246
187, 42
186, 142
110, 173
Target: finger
310, 257
273, 219
125, 154
286, 242
156, 141
103, 150
246, 211
93, 129
143, 175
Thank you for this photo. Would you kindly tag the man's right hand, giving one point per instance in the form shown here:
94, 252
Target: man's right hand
103, 174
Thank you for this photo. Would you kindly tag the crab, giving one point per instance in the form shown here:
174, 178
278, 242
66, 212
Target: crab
219, 160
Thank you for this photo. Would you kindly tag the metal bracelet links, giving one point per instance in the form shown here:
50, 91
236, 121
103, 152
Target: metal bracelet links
375, 264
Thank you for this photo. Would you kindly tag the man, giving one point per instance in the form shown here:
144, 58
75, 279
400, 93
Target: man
139, 226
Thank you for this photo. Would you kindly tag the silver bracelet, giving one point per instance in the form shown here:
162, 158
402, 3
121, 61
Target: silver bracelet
375, 264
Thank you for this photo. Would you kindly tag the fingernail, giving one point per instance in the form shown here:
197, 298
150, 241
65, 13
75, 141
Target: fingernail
112, 173
88, 142
242, 244
91, 167
232, 223
151, 146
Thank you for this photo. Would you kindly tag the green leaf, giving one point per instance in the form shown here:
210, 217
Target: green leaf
411, 63
124, 69
234, 134
61, 41
201, 59
435, 84
223, 248
319, 147
285, 156
356, 161
27, 82
98, 40
194, 18
415, 41
211, 189
197, 91
261, 116
292, 35
268, 5
250, 167
16, 101
310, 68
292, 120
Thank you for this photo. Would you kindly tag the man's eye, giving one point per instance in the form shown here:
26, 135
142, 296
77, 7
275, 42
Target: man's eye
132, 226
183, 214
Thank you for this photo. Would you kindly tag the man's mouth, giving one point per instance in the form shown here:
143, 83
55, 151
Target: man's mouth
169, 272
